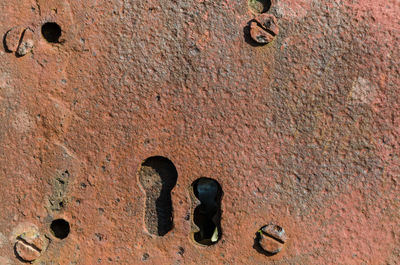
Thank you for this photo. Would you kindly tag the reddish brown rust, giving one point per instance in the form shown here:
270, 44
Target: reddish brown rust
264, 29
303, 132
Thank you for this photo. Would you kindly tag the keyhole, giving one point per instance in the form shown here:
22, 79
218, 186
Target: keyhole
158, 176
207, 215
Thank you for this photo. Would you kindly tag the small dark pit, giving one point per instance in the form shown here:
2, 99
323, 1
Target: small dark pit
51, 31
60, 228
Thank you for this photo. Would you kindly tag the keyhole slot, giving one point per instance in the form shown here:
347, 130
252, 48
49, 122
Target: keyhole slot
158, 176
207, 214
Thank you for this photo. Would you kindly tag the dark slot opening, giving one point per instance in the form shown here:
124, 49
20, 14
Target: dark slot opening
207, 216
158, 177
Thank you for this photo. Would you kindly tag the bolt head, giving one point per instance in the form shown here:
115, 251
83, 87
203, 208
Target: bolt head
30, 245
271, 238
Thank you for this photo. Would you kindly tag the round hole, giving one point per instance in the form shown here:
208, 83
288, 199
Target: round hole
259, 6
51, 31
60, 228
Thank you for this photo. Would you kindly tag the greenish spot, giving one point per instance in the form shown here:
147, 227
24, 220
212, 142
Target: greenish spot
259, 6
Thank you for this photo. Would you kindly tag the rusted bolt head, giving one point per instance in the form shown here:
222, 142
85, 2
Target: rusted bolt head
19, 40
264, 28
30, 245
271, 238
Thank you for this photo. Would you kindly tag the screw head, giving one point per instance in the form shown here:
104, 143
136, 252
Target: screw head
30, 245
19, 40
264, 28
271, 238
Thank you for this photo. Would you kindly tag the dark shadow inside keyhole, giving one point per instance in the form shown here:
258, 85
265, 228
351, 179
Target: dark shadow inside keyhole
207, 216
158, 177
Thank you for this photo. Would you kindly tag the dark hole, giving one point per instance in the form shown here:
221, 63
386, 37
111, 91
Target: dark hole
187, 217
207, 215
158, 177
51, 32
181, 251
145, 256
60, 228
65, 174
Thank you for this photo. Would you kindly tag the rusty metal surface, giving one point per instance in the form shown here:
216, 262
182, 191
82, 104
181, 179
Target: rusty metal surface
302, 132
